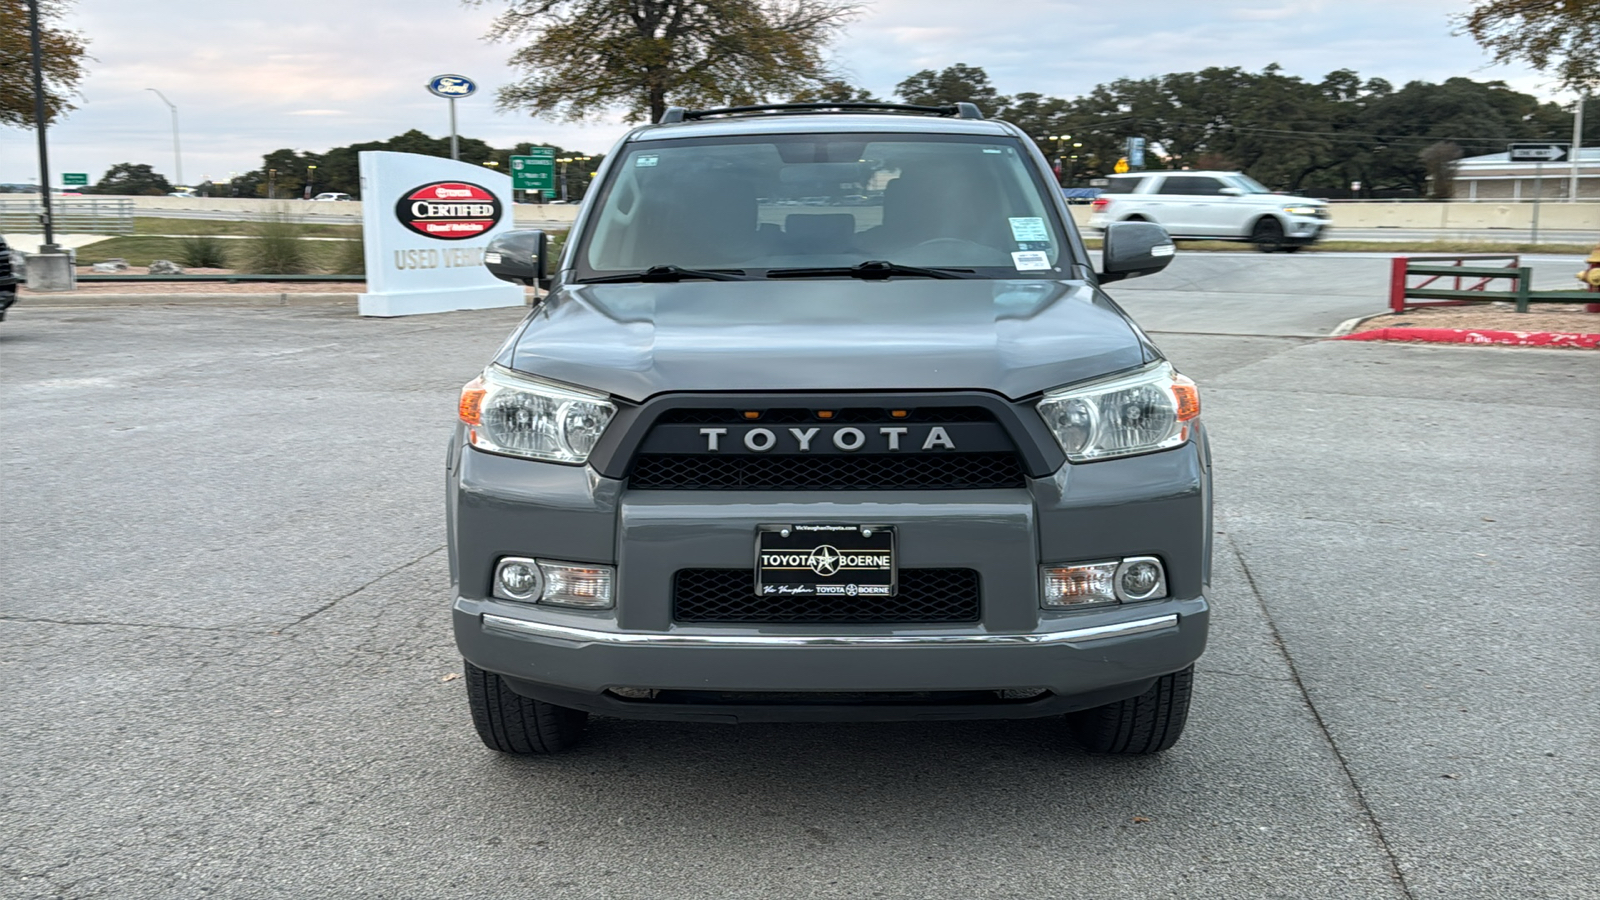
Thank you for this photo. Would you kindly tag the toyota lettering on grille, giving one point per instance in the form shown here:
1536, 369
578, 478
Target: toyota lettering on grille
848, 439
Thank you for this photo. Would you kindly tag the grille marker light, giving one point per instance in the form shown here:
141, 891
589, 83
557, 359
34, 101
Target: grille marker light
1127, 580
1077, 586
471, 407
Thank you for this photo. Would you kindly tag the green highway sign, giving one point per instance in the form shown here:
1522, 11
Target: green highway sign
74, 178
534, 172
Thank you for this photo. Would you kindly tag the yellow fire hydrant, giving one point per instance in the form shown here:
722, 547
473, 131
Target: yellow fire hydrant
1591, 278
1591, 275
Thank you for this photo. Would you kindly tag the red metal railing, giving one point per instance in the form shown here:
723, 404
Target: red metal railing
1403, 291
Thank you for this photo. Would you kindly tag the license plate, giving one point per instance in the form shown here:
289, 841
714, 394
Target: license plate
825, 560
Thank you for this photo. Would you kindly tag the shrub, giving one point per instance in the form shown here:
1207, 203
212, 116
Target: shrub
203, 252
351, 258
276, 248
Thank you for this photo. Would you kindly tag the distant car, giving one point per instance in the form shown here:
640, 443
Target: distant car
183, 194
1212, 206
8, 279
333, 195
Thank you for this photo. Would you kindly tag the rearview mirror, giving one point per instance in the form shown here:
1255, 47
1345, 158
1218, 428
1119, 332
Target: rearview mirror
519, 257
1131, 249
1230, 192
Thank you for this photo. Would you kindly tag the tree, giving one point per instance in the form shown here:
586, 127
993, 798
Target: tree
955, 84
339, 169
834, 90
583, 57
1440, 162
1558, 37
63, 54
132, 179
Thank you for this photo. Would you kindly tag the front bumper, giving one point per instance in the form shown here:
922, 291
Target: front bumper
1157, 504
746, 674
1301, 231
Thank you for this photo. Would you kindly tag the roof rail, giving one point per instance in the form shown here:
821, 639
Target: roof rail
677, 114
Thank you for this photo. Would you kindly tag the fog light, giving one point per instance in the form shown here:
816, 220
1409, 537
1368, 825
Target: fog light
1140, 578
516, 578
1076, 586
585, 587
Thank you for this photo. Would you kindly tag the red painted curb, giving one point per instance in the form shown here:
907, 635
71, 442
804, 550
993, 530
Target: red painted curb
1478, 336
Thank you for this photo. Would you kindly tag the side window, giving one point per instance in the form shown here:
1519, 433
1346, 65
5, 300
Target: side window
1191, 185
1124, 184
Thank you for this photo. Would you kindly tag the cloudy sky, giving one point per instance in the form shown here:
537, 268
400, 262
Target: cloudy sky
249, 76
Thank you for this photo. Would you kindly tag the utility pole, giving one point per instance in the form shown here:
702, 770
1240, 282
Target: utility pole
46, 218
177, 155
1577, 142
50, 269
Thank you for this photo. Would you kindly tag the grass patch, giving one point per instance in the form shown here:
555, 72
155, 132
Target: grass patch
321, 256
156, 225
351, 258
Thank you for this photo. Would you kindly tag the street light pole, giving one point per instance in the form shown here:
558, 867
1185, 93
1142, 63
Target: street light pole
46, 219
177, 155
1577, 145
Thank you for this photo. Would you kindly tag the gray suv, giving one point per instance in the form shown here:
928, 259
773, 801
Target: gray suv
825, 416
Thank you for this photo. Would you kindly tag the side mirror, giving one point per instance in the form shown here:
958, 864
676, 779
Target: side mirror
518, 256
1230, 192
1131, 249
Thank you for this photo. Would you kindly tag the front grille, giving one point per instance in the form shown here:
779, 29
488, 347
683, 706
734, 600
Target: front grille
841, 416
728, 596
878, 471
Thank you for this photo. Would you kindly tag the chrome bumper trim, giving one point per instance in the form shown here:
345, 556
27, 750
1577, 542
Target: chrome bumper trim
525, 628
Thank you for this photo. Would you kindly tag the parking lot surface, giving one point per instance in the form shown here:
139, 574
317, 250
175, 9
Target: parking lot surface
224, 635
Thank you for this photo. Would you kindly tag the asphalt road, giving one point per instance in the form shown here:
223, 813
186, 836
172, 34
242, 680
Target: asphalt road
337, 216
1303, 294
225, 644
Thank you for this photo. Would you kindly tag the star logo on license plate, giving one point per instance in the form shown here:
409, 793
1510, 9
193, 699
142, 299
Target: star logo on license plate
824, 560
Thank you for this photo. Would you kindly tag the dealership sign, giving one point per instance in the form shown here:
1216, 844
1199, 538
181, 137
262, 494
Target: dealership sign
426, 221
449, 210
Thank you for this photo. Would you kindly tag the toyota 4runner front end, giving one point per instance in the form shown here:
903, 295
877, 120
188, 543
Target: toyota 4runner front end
825, 416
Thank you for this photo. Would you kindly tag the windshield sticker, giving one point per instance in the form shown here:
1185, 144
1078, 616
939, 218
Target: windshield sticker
991, 150
1030, 260
1029, 228
644, 162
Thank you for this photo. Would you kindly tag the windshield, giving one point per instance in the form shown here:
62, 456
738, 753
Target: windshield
1250, 185
968, 206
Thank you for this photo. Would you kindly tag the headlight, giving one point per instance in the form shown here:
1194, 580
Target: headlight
519, 415
1150, 410
1301, 210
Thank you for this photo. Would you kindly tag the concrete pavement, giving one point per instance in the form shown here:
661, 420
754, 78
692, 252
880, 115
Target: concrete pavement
224, 631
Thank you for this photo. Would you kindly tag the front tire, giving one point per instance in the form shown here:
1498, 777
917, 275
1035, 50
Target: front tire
1149, 723
1267, 235
511, 723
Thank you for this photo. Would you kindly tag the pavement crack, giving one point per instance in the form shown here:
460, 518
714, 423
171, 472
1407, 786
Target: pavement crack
359, 588
1210, 671
1395, 872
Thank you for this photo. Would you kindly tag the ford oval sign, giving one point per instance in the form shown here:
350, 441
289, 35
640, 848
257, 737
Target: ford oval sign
451, 87
449, 210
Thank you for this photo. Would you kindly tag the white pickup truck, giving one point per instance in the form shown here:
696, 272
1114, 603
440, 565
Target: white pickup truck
1212, 206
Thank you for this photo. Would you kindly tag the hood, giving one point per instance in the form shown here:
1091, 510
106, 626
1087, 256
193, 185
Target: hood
1012, 337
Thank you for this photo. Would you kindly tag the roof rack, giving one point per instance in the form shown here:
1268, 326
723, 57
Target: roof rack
677, 114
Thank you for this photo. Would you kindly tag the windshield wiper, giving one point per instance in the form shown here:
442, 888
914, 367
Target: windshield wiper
667, 274
871, 269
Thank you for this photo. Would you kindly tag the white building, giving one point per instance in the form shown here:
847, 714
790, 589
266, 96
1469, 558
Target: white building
1495, 177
